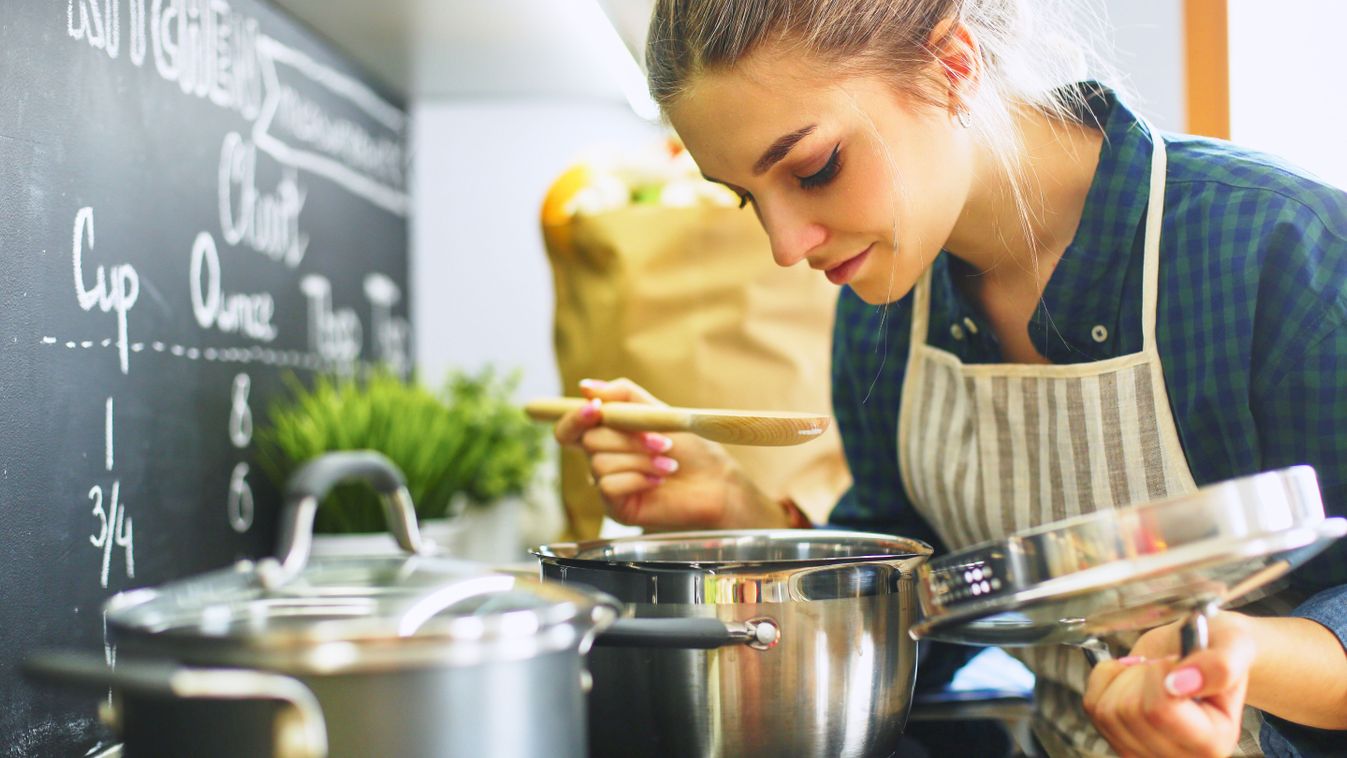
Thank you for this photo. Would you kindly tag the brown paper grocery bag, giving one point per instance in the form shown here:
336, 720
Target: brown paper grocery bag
688, 303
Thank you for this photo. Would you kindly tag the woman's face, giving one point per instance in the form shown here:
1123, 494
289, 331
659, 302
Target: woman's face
859, 181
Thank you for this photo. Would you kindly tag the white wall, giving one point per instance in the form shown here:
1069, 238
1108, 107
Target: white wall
1146, 41
1283, 88
481, 286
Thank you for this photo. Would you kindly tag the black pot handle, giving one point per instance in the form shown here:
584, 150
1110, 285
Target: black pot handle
303, 734
311, 483
694, 633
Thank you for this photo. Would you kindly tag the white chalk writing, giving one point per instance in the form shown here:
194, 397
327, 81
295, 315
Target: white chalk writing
335, 335
267, 222
116, 290
240, 415
210, 51
391, 333
139, 36
247, 314
107, 436
307, 122
98, 24
115, 528
296, 132
240, 503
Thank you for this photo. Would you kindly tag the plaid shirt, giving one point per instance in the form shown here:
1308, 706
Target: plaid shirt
1253, 259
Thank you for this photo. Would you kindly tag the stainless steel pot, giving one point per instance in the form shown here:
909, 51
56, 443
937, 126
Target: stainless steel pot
833, 675
412, 655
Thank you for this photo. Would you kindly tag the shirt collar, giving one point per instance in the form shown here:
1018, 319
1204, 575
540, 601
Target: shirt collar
1080, 317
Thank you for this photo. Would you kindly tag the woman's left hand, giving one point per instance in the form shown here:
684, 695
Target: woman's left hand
1153, 704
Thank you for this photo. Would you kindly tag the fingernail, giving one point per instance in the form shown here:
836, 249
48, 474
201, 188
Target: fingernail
1183, 682
1131, 660
654, 479
665, 464
591, 409
656, 443
593, 384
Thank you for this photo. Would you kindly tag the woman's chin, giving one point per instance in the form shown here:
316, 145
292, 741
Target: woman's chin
882, 290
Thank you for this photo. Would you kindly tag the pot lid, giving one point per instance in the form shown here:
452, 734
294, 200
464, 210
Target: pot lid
354, 599
337, 612
1128, 568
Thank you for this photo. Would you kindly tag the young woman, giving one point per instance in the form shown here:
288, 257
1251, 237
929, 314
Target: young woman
1047, 308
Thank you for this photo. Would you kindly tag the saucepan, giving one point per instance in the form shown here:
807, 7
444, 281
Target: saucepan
348, 655
834, 676
406, 655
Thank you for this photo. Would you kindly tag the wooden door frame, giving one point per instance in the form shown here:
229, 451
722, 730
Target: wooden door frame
1206, 40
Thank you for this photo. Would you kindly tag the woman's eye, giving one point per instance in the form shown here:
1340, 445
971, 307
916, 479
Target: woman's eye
744, 199
825, 174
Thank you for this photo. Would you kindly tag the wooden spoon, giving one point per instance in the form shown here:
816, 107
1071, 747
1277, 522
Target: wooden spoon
730, 427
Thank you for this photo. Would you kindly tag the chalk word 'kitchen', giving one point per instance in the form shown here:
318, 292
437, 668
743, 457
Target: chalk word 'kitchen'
210, 51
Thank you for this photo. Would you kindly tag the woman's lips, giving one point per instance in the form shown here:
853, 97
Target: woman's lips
842, 272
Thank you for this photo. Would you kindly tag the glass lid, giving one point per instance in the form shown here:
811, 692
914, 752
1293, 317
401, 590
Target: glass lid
291, 601
353, 598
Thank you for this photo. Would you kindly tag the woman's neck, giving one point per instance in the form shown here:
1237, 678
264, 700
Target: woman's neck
1014, 243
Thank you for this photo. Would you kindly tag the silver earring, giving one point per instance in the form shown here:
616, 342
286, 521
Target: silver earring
965, 118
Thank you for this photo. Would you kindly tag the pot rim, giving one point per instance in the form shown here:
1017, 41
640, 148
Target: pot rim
590, 553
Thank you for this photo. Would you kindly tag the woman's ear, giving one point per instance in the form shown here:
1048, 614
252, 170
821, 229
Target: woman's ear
958, 55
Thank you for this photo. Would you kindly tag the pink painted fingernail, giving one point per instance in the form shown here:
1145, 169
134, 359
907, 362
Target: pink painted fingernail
1131, 660
591, 409
656, 443
1183, 682
654, 479
665, 464
593, 384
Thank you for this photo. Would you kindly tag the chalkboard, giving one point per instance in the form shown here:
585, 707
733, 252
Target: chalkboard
196, 197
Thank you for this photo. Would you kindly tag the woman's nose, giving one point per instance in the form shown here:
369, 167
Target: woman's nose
793, 239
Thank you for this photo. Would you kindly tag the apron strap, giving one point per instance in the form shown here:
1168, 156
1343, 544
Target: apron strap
1155, 209
921, 309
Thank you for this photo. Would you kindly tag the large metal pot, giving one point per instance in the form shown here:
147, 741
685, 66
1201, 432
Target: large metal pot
410, 655
835, 680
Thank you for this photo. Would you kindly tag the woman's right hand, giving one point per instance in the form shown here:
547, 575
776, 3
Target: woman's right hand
662, 481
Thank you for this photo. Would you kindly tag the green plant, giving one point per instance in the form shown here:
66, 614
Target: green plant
468, 440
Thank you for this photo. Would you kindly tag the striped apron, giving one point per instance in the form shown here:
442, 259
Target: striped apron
990, 449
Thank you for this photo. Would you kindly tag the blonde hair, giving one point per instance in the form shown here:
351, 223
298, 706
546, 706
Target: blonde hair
1028, 49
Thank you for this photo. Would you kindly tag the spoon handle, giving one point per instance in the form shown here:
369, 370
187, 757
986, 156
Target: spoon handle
627, 417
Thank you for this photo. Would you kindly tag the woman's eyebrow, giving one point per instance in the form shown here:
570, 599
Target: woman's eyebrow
780, 149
